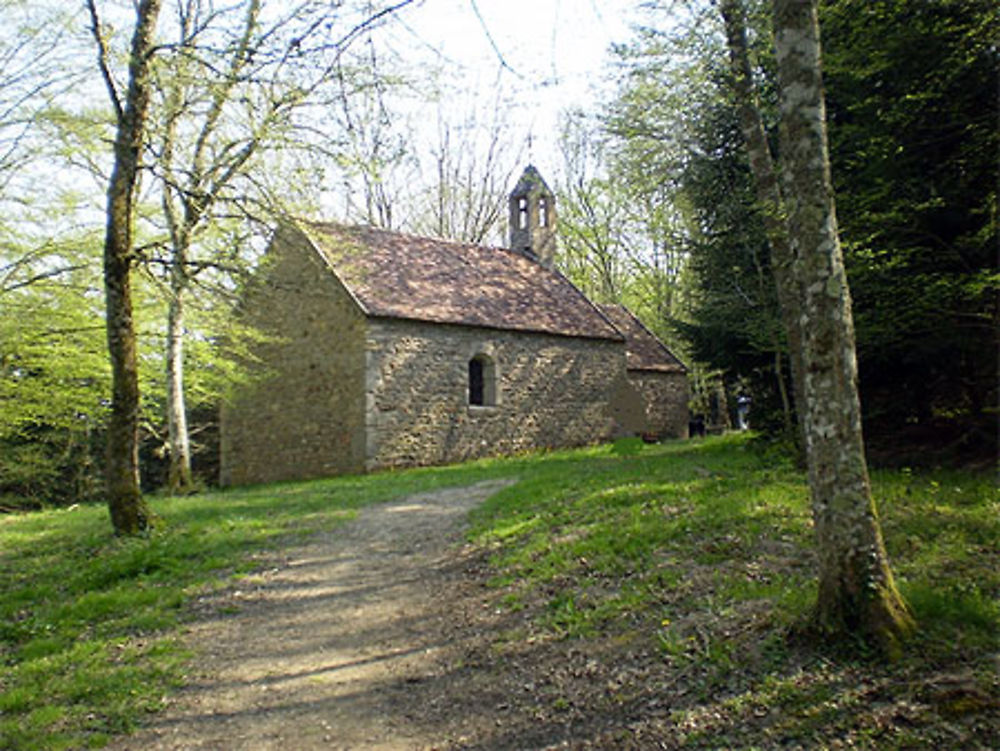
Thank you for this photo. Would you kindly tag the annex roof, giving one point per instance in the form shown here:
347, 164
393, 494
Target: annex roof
404, 276
643, 349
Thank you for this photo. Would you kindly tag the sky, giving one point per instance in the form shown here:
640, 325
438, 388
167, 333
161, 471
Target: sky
552, 52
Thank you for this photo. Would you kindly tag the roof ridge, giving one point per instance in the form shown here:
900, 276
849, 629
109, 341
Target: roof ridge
410, 235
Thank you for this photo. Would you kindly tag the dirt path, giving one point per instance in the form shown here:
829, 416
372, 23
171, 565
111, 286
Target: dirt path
384, 635
354, 641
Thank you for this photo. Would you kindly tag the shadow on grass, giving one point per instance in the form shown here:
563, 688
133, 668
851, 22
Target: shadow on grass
703, 553
698, 551
87, 619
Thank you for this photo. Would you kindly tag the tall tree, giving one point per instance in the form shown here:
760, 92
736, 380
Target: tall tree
857, 593
471, 161
375, 158
234, 94
619, 229
53, 372
911, 144
29, 72
53, 361
696, 256
914, 143
129, 512
592, 213
770, 202
195, 93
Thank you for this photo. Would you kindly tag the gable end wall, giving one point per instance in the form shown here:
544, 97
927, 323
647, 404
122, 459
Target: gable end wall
666, 398
305, 416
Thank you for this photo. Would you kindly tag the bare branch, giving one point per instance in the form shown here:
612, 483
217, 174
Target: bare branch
40, 277
489, 37
102, 60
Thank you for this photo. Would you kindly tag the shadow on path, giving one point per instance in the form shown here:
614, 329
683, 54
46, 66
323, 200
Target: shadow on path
335, 647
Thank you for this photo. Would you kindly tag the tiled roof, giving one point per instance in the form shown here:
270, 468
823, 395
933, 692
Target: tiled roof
643, 350
418, 278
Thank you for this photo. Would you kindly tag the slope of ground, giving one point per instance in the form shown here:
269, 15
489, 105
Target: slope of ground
619, 597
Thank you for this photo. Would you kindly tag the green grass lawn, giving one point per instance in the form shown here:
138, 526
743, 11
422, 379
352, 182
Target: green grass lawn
704, 549
701, 548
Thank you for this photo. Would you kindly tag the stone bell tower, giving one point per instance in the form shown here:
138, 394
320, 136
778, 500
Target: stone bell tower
533, 218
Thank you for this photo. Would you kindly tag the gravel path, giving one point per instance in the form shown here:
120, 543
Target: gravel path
347, 643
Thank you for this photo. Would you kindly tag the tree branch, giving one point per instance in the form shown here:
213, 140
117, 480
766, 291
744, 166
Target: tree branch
102, 61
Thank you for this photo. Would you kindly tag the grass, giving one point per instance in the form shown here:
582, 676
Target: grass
89, 623
704, 550
700, 550
654, 527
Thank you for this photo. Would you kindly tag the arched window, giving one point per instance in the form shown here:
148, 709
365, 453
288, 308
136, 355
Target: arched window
482, 382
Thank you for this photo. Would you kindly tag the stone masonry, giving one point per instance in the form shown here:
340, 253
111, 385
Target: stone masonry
665, 395
303, 416
337, 392
551, 391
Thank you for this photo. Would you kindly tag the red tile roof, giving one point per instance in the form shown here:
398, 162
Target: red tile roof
403, 276
643, 349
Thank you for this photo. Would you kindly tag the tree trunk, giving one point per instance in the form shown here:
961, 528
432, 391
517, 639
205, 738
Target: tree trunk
769, 197
179, 478
788, 420
857, 594
129, 513
187, 202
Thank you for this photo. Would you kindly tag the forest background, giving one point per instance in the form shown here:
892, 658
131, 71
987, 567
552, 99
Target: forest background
257, 114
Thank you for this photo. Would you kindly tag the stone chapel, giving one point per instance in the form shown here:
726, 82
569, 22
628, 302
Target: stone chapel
389, 350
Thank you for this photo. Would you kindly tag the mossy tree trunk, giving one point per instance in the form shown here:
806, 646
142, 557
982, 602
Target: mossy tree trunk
129, 512
857, 594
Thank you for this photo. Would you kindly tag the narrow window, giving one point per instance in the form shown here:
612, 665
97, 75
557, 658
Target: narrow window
482, 382
476, 381
522, 213
543, 218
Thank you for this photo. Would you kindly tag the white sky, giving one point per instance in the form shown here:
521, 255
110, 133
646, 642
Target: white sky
554, 51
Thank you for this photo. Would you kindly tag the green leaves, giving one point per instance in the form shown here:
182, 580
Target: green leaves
909, 95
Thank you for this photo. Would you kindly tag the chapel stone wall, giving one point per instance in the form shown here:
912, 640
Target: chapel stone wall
666, 398
550, 391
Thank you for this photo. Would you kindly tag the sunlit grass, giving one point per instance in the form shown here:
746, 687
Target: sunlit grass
651, 521
701, 548
88, 622
705, 549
